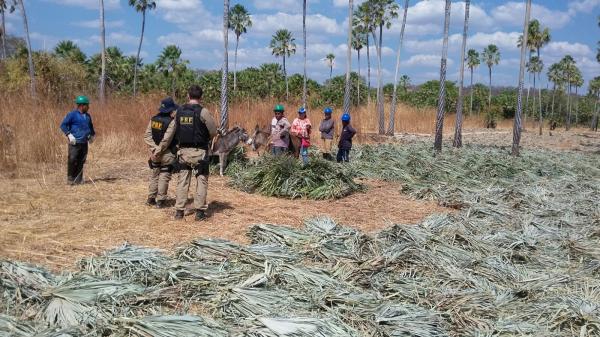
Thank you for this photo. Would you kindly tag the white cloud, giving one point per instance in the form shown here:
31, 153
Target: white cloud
95, 24
89, 4
504, 40
315, 23
513, 13
583, 6
118, 39
278, 4
561, 48
425, 60
344, 3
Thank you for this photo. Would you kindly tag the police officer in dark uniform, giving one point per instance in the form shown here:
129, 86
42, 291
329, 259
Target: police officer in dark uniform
195, 128
159, 137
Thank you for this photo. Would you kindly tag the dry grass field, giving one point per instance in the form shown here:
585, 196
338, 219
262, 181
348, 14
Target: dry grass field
44, 221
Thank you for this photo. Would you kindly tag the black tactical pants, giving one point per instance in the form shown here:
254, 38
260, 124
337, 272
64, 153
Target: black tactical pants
77, 156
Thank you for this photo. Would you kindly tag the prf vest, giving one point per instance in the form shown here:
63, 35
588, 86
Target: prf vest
191, 130
159, 125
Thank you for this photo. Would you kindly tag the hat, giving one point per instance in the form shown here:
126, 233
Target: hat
167, 105
302, 110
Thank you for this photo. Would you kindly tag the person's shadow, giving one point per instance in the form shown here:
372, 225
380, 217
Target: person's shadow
214, 207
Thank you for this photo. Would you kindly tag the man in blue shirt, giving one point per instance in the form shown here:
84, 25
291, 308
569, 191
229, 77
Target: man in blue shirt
77, 126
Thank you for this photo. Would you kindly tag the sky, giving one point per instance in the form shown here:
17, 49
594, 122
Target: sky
196, 27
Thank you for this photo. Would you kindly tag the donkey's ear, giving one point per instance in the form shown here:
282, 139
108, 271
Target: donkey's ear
256, 127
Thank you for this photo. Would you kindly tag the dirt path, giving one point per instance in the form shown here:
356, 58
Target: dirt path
44, 221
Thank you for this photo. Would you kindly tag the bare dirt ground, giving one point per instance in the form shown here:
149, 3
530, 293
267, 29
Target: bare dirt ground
42, 220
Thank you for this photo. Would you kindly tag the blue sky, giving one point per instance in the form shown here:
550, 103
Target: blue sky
195, 26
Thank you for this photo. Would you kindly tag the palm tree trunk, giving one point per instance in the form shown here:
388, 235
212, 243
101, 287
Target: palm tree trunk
553, 95
517, 124
459, 106
380, 109
576, 105
330, 70
540, 101
287, 88
29, 51
304, 41
490, 93
597, 110
391, 127
137, 57
358, 81
348, 87
237, 42
471, 105
103, 54
368, 72
568, 126
225, 68
527, 99
439, 121
3, 34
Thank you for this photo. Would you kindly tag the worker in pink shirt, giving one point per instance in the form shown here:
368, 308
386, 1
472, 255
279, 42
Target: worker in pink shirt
301, 128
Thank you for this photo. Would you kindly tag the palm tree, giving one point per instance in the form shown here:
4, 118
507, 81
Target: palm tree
140, 6
517, 123
347, 87
363, 23
103, 53
239, 22
170, 63
568, 66
459, 106
29, 51
594, 91
391, 126
439, 121
67, 49
382, 11
304, 78
330, 59
535, 66
555, 76
10, 7
472, 62
358, 42
404, 82
225, 69
491, 57
282, 44
577, 83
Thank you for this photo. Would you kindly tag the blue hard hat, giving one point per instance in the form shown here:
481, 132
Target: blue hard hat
346, 117
328, 110
302, 110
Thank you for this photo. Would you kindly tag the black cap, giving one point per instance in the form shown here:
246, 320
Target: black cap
167, 105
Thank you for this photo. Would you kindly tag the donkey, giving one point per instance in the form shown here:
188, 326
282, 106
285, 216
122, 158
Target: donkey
259, 138
226, 143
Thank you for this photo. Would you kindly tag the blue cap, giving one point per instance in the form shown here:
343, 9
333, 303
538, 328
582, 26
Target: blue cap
302, 110
328, 110
346, 117
167, 106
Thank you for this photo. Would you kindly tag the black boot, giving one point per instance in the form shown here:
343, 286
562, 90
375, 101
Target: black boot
179, 214
200, 215
161, 204
151, 202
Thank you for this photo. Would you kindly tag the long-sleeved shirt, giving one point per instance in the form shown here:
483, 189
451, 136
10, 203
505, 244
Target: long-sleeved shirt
346, 137
279, 127
163, 146
327, 128
79, 124
301, 127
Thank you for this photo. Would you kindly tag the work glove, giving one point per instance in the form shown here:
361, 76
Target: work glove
91, 139
72, 139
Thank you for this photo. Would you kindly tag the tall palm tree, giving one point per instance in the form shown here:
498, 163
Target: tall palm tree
67, 49
282, 44
225, 69
535, 66
363, 23
382, 11
103, 53
491, 57
568, 66
594, 91
140, 6
439, 120
555, 76
459, 106
29, 51
391, 126
404, 82
472, 62
358, 43
330, 60
304, 78
347, 88
170, 63
517, 123
239, 22
577, 83
5, 5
